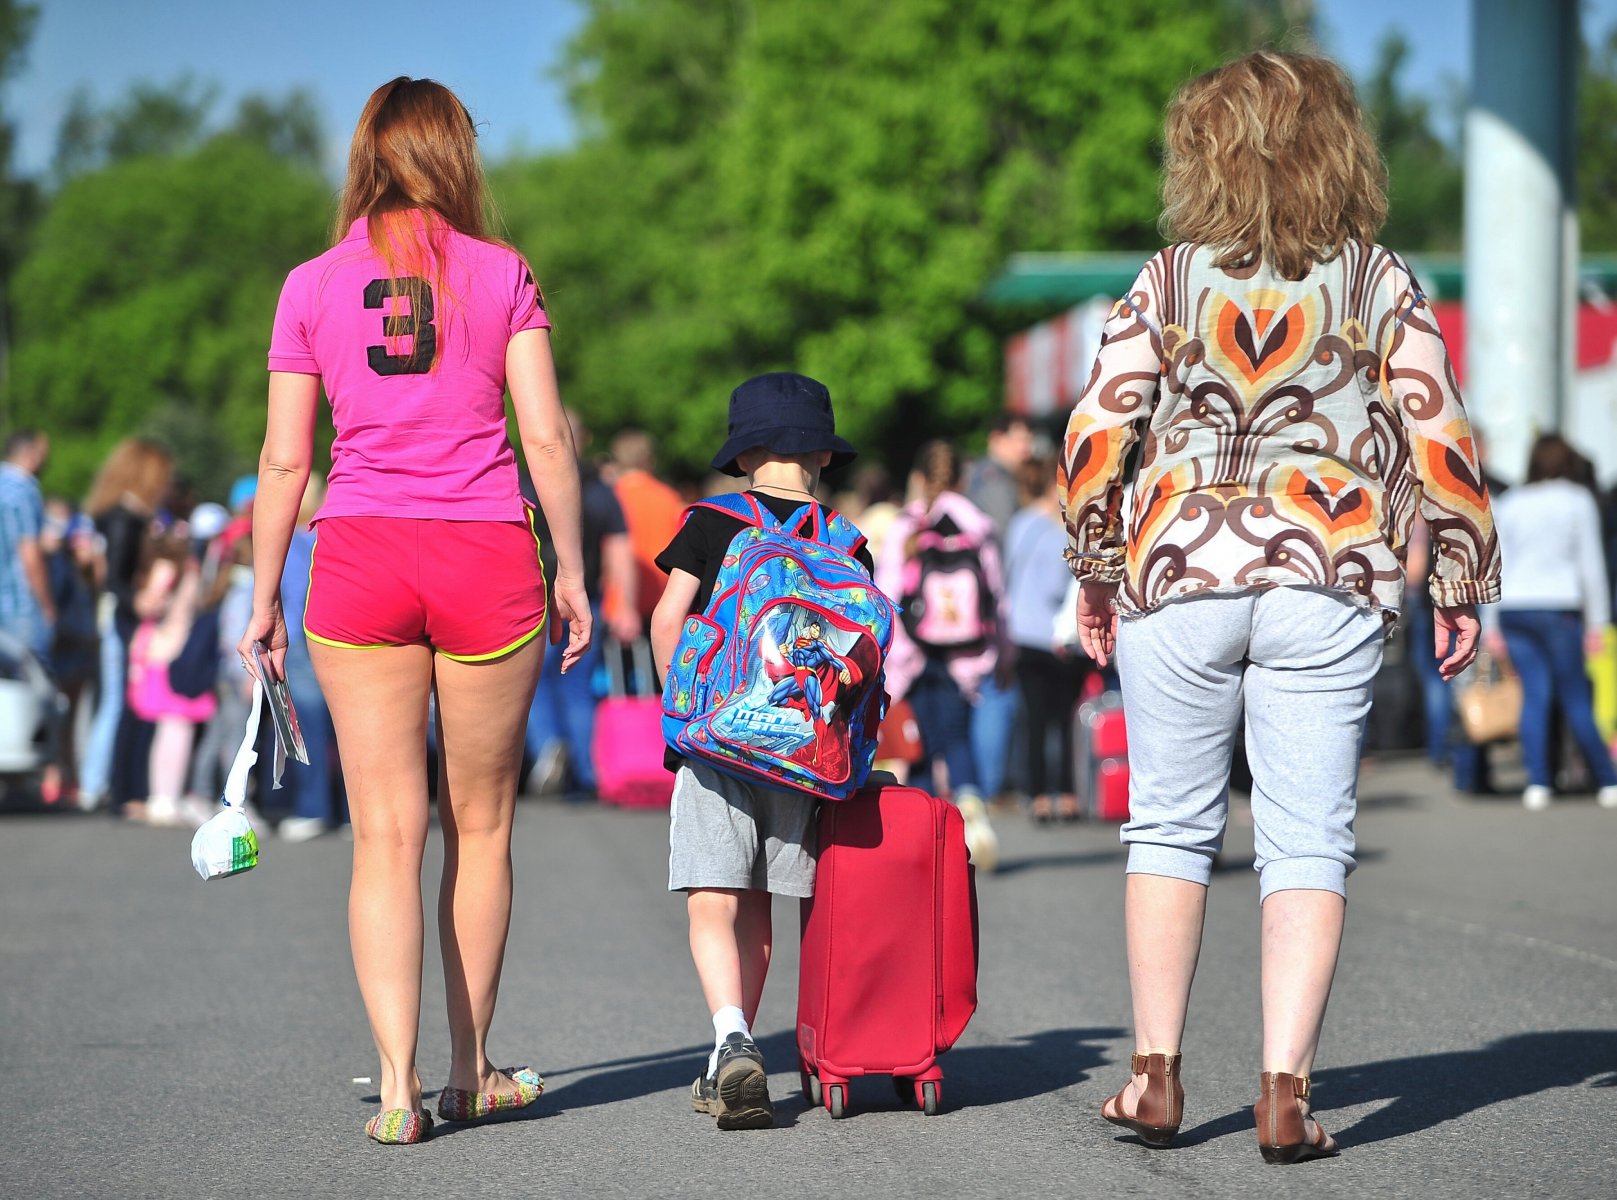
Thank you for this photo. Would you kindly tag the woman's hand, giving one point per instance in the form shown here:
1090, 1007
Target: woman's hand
1461, 623
568, 602
1097, 619
268, 628
1594, 642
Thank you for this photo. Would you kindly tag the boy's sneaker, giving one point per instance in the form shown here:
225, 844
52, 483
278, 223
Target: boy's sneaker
705, 1095
742, 1086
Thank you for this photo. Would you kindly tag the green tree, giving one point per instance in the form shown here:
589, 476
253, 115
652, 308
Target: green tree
763, 186
18, 197
1597, 147
150, 284
1424, 175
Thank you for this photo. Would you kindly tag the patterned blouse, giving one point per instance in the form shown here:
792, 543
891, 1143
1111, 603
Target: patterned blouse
1290, 430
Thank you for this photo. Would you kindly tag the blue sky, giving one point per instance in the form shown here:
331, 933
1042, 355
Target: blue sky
497, 54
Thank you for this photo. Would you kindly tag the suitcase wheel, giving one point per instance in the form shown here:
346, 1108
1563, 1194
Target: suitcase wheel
836, 1100
929, 1097
811, 1087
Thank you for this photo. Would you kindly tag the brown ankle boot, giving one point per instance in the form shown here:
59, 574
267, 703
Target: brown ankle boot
1162, 1105
1282, 1129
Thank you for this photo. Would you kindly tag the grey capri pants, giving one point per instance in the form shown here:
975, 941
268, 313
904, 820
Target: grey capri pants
1302, 660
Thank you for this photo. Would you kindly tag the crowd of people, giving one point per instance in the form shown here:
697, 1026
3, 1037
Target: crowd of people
136, 596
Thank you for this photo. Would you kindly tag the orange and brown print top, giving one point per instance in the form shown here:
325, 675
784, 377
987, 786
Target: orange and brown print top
1289, 430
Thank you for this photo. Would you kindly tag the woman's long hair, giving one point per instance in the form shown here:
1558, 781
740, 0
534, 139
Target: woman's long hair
137, 472
937, 464
414, 156
1268, 158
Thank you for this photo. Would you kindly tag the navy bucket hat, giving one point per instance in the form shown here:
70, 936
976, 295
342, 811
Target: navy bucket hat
783, 412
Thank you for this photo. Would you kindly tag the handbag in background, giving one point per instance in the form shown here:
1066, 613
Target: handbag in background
1491, 706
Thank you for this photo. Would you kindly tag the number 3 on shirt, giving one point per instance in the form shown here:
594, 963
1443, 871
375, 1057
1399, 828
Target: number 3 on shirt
416, 323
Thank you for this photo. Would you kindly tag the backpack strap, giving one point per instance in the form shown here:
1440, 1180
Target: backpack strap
740, 506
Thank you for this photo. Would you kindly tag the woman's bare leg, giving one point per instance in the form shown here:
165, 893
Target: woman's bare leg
1163, 917
482, 716
378, 702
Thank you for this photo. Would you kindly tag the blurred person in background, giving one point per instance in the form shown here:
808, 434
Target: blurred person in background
426, 587
1296, 409
1047, 675
939, 557
561, 721
871, 503
73, 566
314, 787
1554, 605
651, 509
27, 611
168, 598
992, 484
123, 501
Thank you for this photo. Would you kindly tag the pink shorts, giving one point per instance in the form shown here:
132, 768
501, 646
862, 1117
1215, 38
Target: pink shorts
471, 590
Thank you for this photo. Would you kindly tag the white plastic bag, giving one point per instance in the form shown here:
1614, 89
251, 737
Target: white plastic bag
226, 844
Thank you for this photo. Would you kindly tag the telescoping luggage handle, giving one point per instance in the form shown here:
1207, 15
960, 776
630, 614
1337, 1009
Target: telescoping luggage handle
640, 650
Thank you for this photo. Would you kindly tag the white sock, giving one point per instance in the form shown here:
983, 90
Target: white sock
726, 1021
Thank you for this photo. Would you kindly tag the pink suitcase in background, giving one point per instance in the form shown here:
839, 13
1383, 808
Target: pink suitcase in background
1101, 753
627, 746
888, 972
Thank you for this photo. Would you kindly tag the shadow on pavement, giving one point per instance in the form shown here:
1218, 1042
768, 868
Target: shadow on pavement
1430, 1089
974, 1076
1079, 858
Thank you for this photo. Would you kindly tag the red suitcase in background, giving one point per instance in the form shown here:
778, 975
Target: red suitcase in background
1101, 745
888, 974
627, 745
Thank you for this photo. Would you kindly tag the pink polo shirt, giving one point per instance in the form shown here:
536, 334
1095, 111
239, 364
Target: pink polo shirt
417, 399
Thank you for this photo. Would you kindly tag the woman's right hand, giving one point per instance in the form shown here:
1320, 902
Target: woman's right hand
268, 628
570, 603
1461, 622
1097, 619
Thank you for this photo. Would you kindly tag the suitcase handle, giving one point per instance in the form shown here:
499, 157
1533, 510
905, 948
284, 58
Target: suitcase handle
640, 649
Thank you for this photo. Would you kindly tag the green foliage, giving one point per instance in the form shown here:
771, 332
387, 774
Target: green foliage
762, 186
1425, 180
146, 300
1597, 148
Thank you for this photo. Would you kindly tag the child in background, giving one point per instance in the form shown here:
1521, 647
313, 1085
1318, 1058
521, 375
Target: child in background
734, 844
168, 600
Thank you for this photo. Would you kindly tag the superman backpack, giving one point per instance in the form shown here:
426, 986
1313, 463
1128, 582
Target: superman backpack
779, 680
946, 600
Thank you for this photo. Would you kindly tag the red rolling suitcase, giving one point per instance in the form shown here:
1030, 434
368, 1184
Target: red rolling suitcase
1102, 744
888, 975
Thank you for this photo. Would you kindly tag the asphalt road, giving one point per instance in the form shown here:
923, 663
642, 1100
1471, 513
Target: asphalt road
165, 1037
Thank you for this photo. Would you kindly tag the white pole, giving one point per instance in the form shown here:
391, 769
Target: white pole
1519, 302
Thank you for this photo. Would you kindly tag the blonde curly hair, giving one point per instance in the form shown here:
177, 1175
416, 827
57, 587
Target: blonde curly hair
1268, 157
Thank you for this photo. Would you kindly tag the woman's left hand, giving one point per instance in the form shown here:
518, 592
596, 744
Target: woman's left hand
568, 602
268, 628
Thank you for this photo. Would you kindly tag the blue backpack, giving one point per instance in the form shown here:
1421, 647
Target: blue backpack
779, 679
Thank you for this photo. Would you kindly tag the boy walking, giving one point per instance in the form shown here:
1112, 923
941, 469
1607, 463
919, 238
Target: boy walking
734, 843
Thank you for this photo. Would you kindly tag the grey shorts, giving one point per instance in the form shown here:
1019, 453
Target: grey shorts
725, 832
1298, 664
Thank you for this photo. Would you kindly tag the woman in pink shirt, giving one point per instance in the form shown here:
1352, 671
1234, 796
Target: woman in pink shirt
425, 575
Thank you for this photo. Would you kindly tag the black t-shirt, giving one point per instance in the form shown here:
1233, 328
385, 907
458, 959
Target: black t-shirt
600, 516
699, 546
